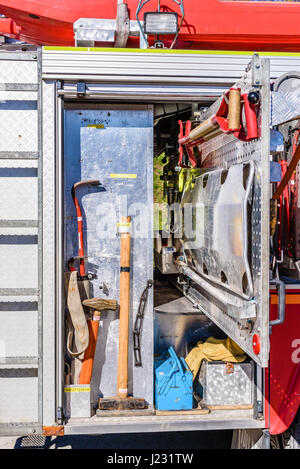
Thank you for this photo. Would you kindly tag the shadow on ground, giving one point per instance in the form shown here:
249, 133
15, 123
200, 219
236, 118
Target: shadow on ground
172, 440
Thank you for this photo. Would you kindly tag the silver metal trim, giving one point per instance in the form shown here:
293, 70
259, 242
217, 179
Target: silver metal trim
19, 361
49, 258
150, 94
20, 55
19, 155
19, 86
19, 223
160, 424
19, 291
245, 229
40, 239
265, 209
59, 220
236, 307
20, 429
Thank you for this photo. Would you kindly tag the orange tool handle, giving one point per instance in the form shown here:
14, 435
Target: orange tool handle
89, 355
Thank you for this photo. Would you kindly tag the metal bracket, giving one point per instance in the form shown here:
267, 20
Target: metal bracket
122, 25
81, 89
87, 31
256, 70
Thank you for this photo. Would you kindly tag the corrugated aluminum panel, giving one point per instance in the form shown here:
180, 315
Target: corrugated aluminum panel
176, 67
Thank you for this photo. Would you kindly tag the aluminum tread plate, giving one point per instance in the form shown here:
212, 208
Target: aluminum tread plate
224, 152
13, 384
19, 330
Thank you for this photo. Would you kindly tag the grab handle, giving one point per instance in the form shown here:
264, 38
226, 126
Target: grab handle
280, 287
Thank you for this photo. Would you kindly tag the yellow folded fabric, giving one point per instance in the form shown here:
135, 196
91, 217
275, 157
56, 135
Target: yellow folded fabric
214, 350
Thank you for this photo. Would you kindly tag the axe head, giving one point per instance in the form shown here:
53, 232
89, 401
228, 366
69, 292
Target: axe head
101, 304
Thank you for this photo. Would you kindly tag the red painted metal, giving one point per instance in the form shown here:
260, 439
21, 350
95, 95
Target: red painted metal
213, 24
9, 28
283, 375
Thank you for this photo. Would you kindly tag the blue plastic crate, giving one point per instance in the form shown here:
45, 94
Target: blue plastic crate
173, 382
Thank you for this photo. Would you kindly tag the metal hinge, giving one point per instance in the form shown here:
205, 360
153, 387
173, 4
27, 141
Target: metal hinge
59, 415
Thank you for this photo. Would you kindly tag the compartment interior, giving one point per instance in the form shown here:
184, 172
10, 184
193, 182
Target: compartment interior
124, 147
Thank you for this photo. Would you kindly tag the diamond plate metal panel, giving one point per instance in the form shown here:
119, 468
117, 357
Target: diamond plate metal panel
19, 396
18, 96
19, 236
19, 126
13, 71
18, 195
19, 330
285, 106
18, 231
17, 298
7, 163
19, 266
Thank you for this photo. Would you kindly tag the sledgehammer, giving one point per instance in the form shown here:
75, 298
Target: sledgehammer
123, 403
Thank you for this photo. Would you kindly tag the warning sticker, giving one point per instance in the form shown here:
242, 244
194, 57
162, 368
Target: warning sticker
123, 176
77, 389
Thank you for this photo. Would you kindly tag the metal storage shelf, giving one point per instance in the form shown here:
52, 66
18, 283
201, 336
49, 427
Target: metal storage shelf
217, 420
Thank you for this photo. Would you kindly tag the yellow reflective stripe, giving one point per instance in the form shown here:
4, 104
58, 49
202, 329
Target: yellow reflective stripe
172, 51
125, 176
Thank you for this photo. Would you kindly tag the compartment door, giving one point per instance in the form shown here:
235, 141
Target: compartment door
20, 244
227, 251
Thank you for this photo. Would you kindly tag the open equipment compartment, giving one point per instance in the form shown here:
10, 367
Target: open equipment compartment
89, 129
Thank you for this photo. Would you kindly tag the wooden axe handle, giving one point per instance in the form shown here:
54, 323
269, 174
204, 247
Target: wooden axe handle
124, 309
234, 109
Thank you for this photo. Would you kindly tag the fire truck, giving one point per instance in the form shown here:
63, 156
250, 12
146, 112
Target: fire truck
90, 94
